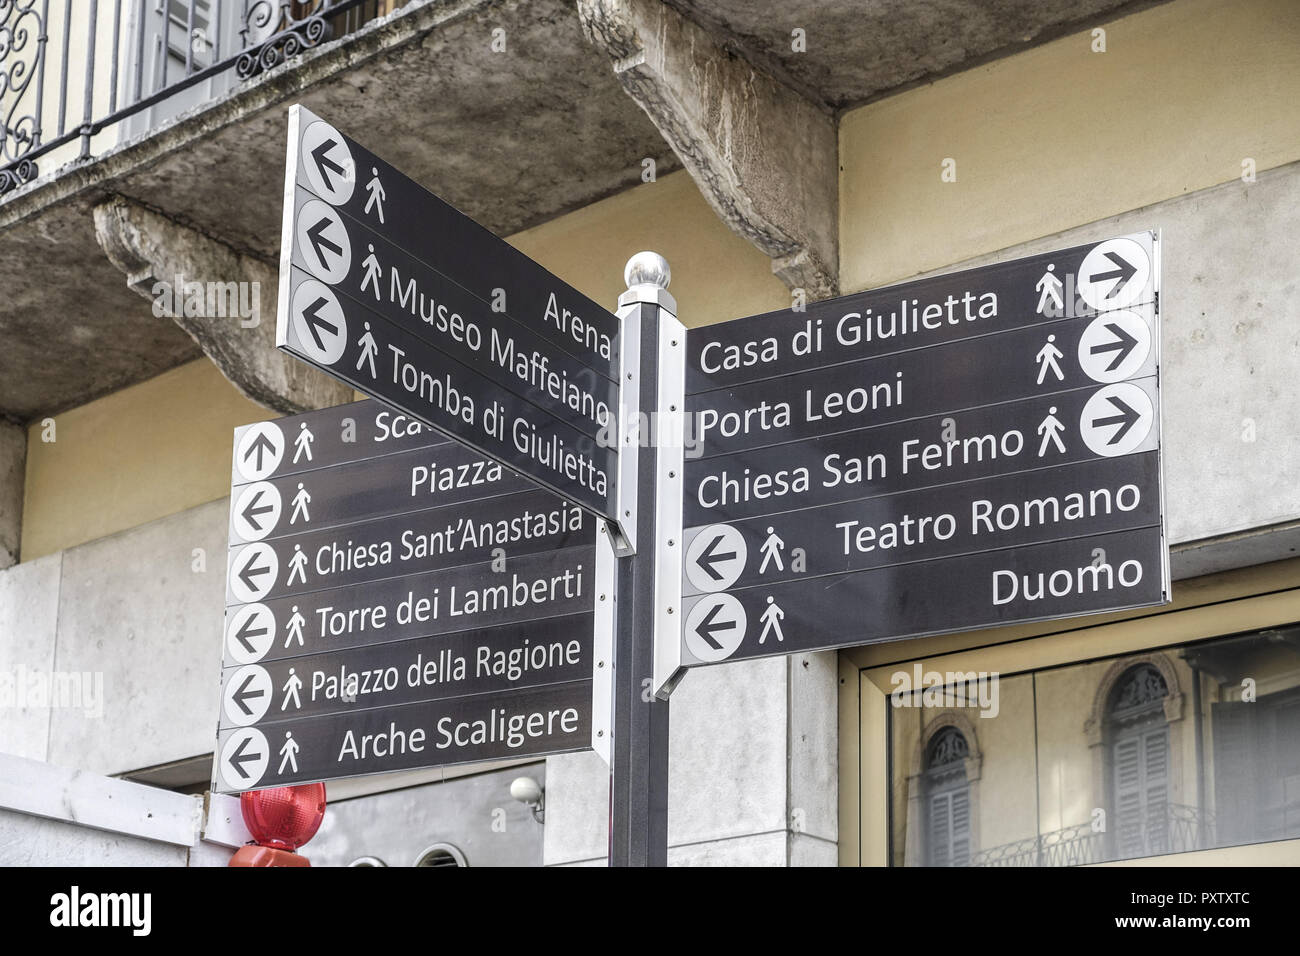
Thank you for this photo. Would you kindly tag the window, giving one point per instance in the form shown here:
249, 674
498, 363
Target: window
1138, 741
947, 800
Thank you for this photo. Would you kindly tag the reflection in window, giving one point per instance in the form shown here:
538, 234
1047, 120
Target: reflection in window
1169, 751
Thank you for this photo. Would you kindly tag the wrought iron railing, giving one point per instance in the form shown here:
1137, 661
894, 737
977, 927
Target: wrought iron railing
50, 47
1164, 828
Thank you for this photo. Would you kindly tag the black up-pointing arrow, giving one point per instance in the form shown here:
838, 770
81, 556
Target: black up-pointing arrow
325, 164
316, 235
241, 757
709, 559
261, 444
251, 572
708, 627
1128, 417
246, 630
244, 693
1125, 270
315, 323
250, 511
1122, 346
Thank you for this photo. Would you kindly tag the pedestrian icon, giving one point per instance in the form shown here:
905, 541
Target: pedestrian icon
1114, 346
297, 566
1117, 419
771, 619
1047, 358
288, 753
771, 552
371, 264
1114, 274
248, 695
253, 571
244, 758
250, 633
300, 502
256, 511
294, 630
369, 349
302, 444
1051, 429
290, 689
259, 451
324, 242
1049, 288
715, 558
376, 196
715, 627
318, 322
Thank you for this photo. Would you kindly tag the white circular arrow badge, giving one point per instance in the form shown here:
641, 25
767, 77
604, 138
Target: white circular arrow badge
715, 558
259, 451
327, 161
248, 695
318, 322
323, 242
715, 627
1114, 274
257, 511
244, 758
253, 571
250, 633
1116, 420
1114, 346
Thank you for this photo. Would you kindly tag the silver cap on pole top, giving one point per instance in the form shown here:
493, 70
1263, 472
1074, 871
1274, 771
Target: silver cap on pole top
647, 276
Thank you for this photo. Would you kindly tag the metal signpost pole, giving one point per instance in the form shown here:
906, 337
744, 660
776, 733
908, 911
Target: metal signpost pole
638, 829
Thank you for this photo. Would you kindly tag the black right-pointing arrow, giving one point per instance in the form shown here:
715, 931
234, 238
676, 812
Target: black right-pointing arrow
324, 163
709, 558
260, 444
1128, 417
318, 240
1122, 346
708, 627
1125, 270
315, 323
246, 630
241, 757
251, 572
244, 694
251, 511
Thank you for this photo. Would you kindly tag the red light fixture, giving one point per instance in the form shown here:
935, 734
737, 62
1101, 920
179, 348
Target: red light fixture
281, 819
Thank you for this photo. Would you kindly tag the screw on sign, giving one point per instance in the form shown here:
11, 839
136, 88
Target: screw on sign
280, 819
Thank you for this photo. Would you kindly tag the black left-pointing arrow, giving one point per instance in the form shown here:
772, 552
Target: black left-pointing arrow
251, 572
1124, 271
251, 511
709, 626
324, 164
316, 235
1128, 417
244, 694
246, 631
1122, 346
709, 558
241, 757
315, 322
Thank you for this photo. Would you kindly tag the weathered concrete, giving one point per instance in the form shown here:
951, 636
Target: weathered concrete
154, 252
32, 841
856, 51
765, 157
512, 139
29, 607
13, 474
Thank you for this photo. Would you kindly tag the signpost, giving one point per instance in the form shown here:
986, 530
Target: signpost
388, 288
419, 607
963, 451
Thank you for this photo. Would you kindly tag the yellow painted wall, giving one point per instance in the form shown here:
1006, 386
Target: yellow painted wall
1060, 136
163, 446
141, 453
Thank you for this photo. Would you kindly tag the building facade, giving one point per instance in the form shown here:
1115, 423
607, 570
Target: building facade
773, 154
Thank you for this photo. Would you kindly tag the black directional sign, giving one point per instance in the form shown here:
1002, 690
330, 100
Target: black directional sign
381, 576
958, 452
386, 287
